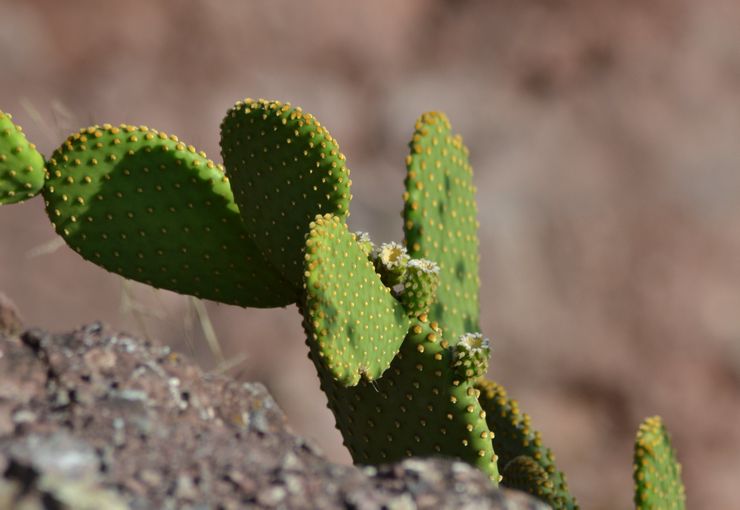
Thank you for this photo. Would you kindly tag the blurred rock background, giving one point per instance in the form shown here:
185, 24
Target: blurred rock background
604, 135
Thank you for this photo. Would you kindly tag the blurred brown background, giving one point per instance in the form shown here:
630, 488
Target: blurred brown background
605, 139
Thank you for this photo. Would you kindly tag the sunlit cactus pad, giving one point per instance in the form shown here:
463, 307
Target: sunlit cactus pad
285, 168
657, 473
419, 407
356, 326
145, 205
514, 437
21, 165
440, 220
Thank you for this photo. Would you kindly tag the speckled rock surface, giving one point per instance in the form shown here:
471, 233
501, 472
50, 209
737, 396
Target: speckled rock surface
98, 419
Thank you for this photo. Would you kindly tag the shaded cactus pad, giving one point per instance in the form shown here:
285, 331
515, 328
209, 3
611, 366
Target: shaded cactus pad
355, 325
285, 168
440, 220
419, 407
526, 474
21, 165
514, 437
143, 204
657, 473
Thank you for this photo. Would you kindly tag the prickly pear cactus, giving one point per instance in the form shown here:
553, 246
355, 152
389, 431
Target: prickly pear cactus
440, 220
657, 473
356, 326
21, 165
514, 438
393, 331
145, 205
285, 168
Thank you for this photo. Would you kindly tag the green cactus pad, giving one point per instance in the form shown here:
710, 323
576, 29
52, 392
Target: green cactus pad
21, 165
417, 408
356, 326
526, 474
146, 206
440, 220
515, 437
657, 473
285, 168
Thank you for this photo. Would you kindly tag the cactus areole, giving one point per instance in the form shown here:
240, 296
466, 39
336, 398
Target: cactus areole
391, 329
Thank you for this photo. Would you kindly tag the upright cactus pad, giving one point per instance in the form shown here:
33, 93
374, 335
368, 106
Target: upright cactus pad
21, 165
285, 168
145, 205
657, 473
514, 437
440, 220
419, 407
356, 327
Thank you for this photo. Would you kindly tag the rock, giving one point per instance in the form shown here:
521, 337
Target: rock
98, 419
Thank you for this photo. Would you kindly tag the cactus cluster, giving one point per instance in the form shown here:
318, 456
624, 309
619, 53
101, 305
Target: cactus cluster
393, 330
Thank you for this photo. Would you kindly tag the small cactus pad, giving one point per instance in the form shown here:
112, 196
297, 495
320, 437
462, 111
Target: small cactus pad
657, 473
526, 474
390, 261
515, 437
440, 220
21, 165
143, 204
420, 284
356, 325
419, 407
285, 168
471, 353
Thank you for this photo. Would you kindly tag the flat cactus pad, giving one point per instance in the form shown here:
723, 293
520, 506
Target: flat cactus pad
21, 165
356, 326
514, 437
440, 220
145, 205
657, 473
285, 168
526, 474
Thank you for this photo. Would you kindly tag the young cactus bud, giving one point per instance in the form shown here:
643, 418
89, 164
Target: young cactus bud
419, 286
366, 244
390, 262
471, 355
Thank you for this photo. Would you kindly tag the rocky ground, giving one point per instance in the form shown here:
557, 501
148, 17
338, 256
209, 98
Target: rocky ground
98, 419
